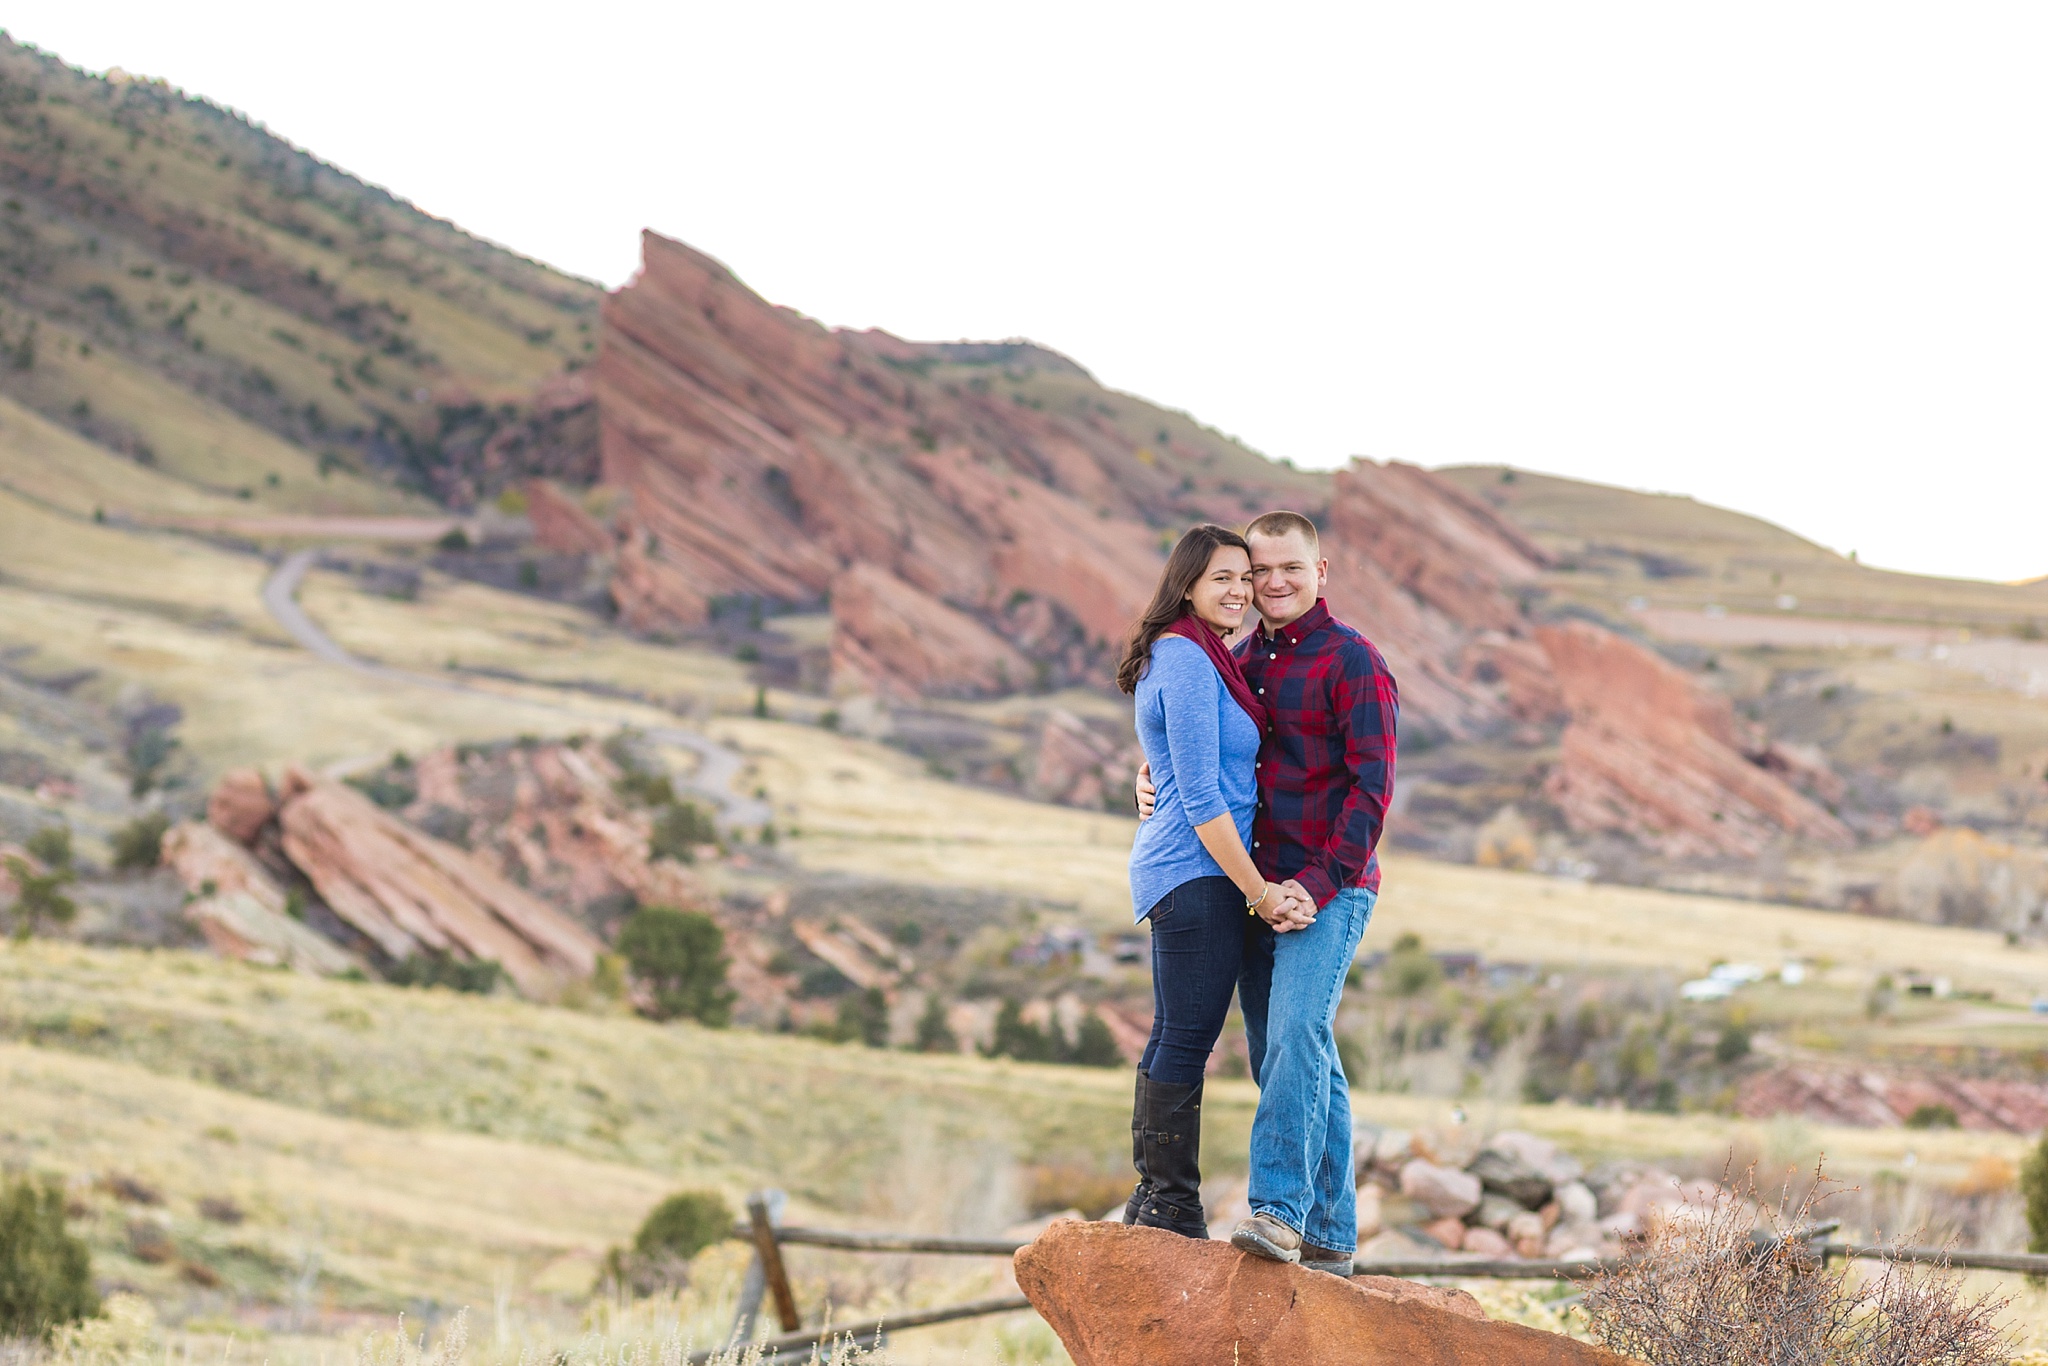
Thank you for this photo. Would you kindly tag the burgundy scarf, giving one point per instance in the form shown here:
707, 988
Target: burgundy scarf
1203, 634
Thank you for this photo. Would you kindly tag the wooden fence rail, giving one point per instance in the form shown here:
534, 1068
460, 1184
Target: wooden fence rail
768, 1276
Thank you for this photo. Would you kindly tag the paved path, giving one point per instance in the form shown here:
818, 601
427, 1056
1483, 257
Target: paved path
717, 765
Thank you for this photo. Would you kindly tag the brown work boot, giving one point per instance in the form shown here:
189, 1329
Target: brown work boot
1326, 1259
1264, 1236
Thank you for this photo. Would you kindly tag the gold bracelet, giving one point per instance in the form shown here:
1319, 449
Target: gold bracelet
1252, 904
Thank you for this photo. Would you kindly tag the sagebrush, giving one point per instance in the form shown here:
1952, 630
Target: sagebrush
1714, 1287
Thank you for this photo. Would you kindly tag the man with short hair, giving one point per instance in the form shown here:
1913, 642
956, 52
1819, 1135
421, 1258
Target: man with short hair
1326, 776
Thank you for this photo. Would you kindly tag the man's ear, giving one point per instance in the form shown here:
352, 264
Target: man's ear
1322, 576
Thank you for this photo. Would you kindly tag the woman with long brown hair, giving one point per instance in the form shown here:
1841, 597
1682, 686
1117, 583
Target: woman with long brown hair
1200, 726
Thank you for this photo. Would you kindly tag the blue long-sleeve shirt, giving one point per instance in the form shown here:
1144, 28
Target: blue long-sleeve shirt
1202, 748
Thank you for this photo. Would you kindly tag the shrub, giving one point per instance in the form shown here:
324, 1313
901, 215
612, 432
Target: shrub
2034, 1192
684, 1225
51, 846
679, 958
1933, 1117
478, 976
140, 843
934, 1033
39, 900
1015, 1037
864, 1015
1094, 1045
1410, 971
679, 830
1733, 1045
645, 789
1706, 1292
45, 1272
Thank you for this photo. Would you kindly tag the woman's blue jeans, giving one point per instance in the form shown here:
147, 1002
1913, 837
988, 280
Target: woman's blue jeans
1290, 986
1200, 937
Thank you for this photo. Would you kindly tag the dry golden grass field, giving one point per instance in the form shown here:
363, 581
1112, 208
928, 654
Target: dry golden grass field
391, 1149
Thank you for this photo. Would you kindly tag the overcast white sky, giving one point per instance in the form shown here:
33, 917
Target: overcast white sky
1788, 258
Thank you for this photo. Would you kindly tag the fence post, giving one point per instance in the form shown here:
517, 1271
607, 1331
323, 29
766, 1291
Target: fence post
756, 1283
769, 1252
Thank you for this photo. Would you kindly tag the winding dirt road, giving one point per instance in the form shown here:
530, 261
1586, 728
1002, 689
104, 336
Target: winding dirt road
718, 766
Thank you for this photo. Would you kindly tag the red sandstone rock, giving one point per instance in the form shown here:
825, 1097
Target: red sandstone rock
1125, 1296
560, 523
762, 454
1428, 573
1079, 765
240, 908
1651, 753
890, 637
409, 892
240, 805
1884, 1100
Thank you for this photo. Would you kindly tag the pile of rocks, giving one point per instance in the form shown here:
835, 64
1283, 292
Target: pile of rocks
1511, 1195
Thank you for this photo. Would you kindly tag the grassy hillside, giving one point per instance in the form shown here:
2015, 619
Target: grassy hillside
327, 1154
1614, 544
192, 292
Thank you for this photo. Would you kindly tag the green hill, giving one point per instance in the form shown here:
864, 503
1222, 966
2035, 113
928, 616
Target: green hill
185, 288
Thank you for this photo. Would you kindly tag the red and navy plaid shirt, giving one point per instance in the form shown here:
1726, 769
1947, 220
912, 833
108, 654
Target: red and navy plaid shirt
1326, 769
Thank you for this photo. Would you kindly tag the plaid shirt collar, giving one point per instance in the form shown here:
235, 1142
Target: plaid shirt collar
1298, 630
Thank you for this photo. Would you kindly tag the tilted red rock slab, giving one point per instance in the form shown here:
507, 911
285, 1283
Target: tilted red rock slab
762, 454
408, 891
1120, 1296
240, 908
899, 639
1423, 569
1653, 754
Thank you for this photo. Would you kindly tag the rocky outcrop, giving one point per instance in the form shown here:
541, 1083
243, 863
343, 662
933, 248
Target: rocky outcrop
891, 638
239, 907
1877, 1099
1128, 1296
412, 894
761, 454
560, 523
549, 817
240, 805
1652, 754
1432, 575
1082, 765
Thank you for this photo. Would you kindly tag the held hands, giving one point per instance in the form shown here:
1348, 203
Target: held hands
1289, 908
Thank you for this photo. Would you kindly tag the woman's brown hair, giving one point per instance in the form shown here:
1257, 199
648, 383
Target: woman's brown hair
1184, 568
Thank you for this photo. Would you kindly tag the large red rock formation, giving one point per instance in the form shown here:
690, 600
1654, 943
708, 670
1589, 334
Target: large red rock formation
889, 637
410, 893
1431, 575
1128, 1296
238, 906
762, 454
548, 817
1875, 1099
1652, 754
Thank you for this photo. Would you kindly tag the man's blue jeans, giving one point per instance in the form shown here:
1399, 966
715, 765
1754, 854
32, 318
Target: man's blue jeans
1301, 1137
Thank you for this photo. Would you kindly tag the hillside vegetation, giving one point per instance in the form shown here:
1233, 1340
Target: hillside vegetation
191, 291
436, 1132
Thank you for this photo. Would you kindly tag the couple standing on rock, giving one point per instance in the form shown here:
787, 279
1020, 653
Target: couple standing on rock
1273, 762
